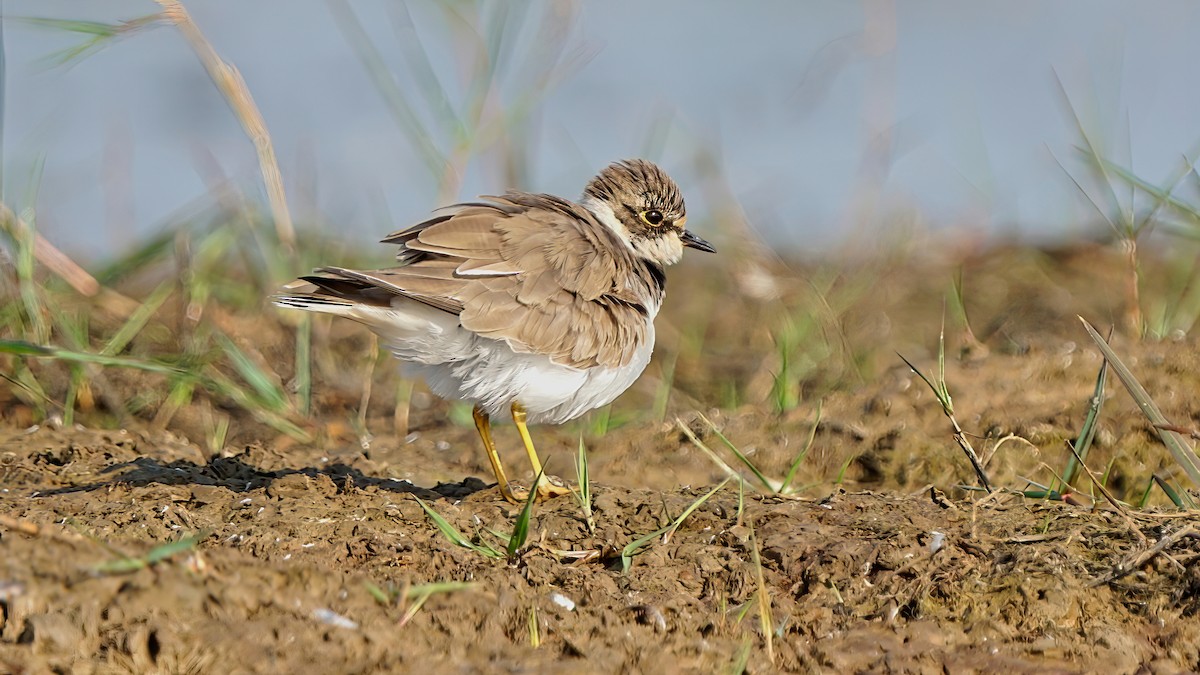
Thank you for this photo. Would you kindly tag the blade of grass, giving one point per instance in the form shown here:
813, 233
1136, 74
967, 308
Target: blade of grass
521, 528
304, 365
1171, 493
941, 391
1088, 432
708, 451
741, 658
154, 556
808, 443
397, 103
138, 319
634, 547
584, 494
99, 34
218, 383
766, 482
267, 388
766, 622
452, 533
535, 637
22, 348
231, 85
27, 287
418, 595
1184, 455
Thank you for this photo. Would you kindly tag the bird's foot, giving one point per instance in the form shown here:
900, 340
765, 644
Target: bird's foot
547, 488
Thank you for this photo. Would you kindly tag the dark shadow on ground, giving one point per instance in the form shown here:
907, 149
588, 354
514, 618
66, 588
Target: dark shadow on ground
237, 475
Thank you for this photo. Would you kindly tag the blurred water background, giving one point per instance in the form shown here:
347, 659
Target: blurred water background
805, 120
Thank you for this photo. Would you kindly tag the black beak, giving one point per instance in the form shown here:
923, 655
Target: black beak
692, 241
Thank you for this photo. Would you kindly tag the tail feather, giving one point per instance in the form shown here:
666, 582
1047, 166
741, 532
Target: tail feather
327, 304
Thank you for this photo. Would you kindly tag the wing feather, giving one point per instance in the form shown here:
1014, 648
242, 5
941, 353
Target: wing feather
538, 272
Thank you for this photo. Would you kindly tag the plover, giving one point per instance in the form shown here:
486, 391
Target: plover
525, 303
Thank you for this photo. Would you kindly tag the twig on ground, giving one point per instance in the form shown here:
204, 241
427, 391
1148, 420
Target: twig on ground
1134, 561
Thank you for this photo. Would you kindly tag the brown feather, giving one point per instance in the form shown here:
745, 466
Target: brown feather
533, 270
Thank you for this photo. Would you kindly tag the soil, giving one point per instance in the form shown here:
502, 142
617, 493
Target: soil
315, 555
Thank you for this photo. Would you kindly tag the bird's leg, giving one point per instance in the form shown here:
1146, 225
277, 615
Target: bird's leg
484, 425
545, 488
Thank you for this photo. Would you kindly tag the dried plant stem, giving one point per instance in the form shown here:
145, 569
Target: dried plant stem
1135, 560
63, 267
1133, 313
1108, 496
229, 81
961, 439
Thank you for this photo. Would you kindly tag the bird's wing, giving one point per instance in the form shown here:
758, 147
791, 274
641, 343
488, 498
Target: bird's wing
535, 271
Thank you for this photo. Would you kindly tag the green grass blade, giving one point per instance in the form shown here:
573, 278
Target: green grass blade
766, 482
535, 637
1171, 492
584, 494
808, 443
394, 98
1145, 497
156, 555
936, 390
95, 28
137, 321
452, 533
169, 549
521, 528
304, 364
216, 382
381, 596
1160, 195
22, 348
98, 34
269, 392
439, 587
634, 547
141, 258
716, 459
1088, 432
741, 658
1184, 455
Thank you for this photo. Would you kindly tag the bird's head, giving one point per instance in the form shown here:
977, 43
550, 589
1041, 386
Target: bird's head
640, 202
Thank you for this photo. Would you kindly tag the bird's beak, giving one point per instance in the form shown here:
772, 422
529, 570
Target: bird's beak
692, 241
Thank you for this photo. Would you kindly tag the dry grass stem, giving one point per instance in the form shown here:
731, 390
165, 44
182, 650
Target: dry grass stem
63, 267
229, 81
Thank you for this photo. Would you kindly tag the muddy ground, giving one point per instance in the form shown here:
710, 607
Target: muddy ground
311, 556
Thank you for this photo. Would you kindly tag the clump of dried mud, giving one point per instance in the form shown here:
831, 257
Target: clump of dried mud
893, 569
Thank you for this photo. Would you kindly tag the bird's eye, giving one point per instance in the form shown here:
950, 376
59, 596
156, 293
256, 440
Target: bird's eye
653, 217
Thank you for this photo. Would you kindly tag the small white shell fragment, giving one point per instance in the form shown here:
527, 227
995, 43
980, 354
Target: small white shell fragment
332, 618
562, 601
937, 539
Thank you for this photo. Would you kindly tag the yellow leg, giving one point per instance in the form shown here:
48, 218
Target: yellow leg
545, 488
484, 425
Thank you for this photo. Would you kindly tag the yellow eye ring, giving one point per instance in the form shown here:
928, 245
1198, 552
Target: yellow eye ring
653, 217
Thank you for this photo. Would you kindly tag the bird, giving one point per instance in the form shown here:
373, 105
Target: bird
526, 304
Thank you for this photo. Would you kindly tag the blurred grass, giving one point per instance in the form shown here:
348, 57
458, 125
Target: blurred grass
192, 344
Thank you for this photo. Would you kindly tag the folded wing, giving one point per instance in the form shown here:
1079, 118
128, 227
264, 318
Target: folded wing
535, 271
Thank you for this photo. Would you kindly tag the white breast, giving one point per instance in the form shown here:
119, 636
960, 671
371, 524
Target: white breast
493, 376
458, 364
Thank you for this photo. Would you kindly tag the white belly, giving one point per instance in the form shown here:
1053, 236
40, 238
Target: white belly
458, 364
494, 377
